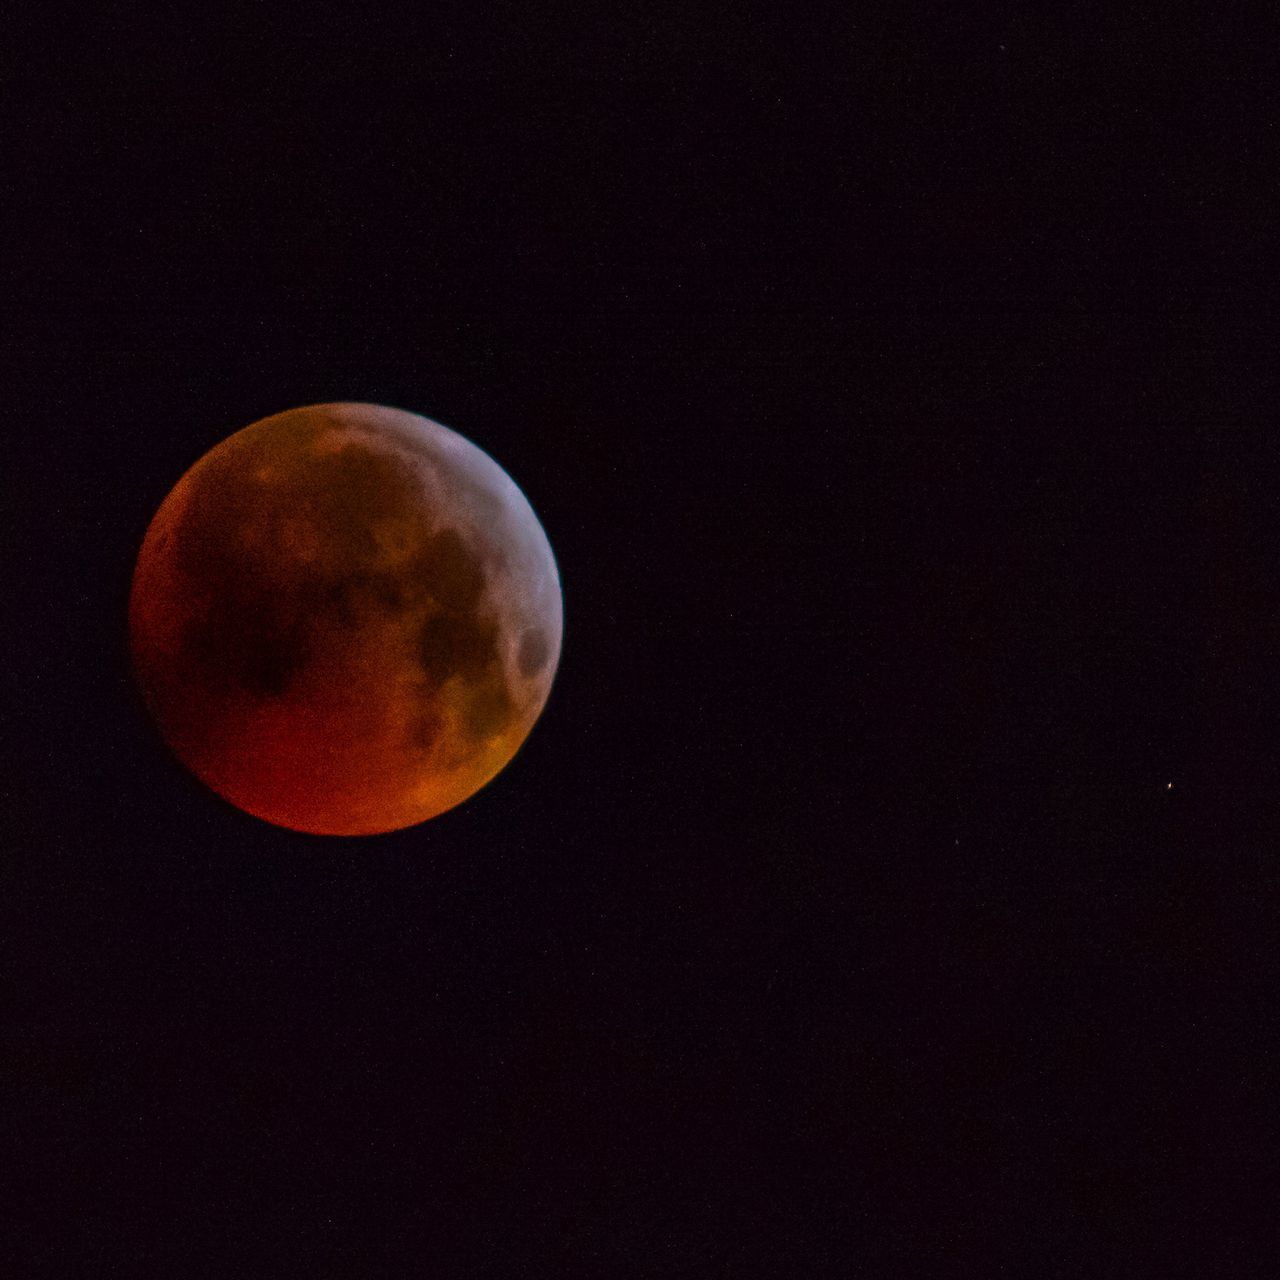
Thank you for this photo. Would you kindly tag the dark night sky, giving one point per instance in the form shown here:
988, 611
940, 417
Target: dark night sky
881, 396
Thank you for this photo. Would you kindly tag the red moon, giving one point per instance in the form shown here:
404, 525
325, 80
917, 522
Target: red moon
345, 619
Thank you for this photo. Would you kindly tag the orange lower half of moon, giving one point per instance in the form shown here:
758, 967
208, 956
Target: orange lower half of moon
345, 619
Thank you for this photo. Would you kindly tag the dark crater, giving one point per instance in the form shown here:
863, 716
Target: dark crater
533, 653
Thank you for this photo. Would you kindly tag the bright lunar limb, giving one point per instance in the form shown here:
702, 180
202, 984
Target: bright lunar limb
345, 619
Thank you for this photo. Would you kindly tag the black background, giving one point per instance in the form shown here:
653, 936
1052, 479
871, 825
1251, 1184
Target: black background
885, 399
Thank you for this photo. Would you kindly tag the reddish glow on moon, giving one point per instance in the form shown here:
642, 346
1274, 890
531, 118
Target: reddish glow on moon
345, 619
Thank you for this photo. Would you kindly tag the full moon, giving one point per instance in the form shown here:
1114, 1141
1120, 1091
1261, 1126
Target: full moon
345, 619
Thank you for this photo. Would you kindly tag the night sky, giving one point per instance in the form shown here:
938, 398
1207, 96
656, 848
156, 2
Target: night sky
885, 398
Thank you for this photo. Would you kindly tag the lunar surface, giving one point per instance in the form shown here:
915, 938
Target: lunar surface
345, 619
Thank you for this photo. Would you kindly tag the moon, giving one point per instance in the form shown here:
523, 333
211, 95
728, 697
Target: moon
345, 619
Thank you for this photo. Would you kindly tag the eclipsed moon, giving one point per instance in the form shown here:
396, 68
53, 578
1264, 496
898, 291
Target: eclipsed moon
345, 619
